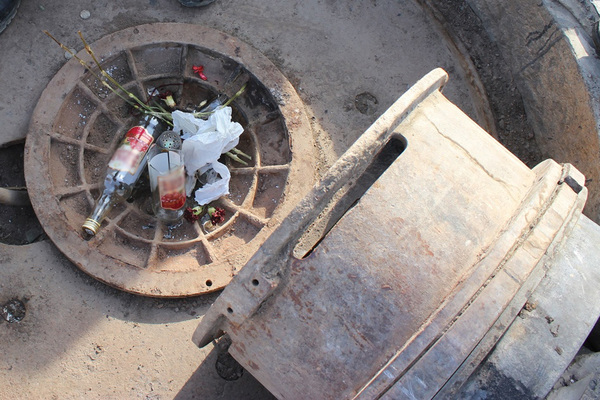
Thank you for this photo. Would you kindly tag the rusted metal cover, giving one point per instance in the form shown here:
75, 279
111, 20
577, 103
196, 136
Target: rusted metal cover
78, 123
413, 285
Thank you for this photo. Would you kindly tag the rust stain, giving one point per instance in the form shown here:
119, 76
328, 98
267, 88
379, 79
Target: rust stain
397, 224
296, 298
240, 348
253, 365
296, 268
363, 337
357, 336
251, 330
424, 245
265, 329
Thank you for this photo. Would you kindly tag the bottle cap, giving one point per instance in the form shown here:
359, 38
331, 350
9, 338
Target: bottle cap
91, 226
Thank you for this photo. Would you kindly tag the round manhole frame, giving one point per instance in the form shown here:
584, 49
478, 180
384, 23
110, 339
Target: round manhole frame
190, 280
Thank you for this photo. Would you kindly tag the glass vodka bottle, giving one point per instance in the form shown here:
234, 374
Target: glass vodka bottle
124, 169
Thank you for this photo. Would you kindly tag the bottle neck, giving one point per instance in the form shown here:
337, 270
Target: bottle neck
104, 204
152, 126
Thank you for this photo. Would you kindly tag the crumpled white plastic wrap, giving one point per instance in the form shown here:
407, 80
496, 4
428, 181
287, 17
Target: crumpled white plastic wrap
204, 142
215, 188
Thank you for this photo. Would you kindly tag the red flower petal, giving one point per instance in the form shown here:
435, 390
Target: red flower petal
199, 69
190, 216
218, 216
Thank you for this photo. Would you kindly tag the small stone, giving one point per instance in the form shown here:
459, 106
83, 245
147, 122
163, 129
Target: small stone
85, 14
529, 306
32, 235
13, 311
68, 55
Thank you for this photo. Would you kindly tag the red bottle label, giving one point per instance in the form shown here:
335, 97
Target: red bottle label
132, 149
171, 189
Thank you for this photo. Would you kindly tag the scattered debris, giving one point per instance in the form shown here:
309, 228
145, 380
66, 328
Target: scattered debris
13, 311
227, 367
529, 306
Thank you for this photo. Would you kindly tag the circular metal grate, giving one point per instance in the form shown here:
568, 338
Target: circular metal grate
78, 123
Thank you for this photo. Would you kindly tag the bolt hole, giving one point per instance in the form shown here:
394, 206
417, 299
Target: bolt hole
255, 282
209, 283
230, 310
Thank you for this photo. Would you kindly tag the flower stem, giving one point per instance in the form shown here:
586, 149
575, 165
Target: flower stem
131, 99
140, 104
241, 153
236, 95
65, 48
125, 99
236, 158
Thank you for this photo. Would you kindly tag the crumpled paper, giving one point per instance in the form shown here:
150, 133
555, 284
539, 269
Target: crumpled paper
204, 142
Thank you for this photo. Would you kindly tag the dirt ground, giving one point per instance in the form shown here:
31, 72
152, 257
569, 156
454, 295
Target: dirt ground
20, 223
491, 75
348, 61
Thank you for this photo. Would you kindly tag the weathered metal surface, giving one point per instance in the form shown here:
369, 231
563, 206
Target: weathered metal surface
530, 357
422, 274
78, 123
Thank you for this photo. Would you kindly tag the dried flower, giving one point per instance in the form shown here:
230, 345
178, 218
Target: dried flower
199, 69
217, 215
170, 102
193, 214
167, 97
